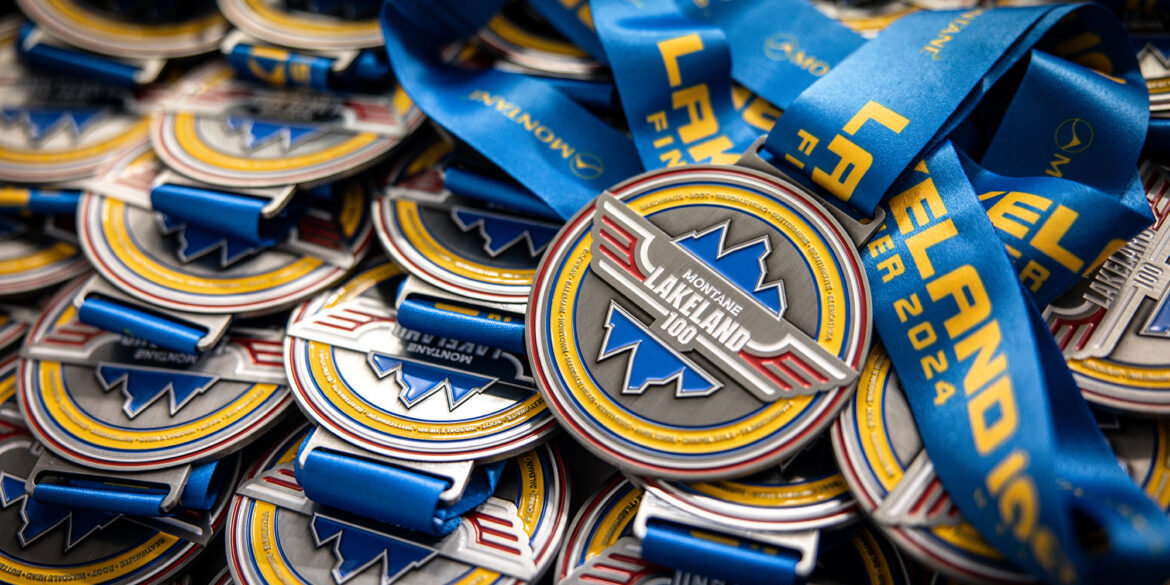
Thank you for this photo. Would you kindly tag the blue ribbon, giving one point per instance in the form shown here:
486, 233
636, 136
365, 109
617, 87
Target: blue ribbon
74, 62
542, 138
1012, 440
671, 72
1015, 444
133, 322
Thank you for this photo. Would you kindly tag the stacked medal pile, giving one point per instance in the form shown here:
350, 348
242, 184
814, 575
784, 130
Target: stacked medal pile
580, 292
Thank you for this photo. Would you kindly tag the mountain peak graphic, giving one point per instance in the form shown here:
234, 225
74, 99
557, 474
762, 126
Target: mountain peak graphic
356, 549
650, 361
143, 386
39, 519
742, 265
40, 123
195, 243
419, 381
501, 232
258, 133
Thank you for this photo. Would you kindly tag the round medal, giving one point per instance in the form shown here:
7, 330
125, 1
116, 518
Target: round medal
458, 244
87, 25
277, 22
166, 264
46, 543
699, 323
1114, 327
274, 537
111, 402
401, 393
60, 129
233, 134
881, 456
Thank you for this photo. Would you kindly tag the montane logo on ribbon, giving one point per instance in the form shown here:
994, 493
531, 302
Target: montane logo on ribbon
785, 47
586, 165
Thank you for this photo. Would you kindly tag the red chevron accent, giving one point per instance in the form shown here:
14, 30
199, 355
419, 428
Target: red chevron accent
618, 245
784, 367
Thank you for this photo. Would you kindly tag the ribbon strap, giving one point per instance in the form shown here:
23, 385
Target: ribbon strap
389, 493
542, 138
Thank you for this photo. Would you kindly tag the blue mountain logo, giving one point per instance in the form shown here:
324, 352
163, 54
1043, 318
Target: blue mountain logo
357, 549
501, 232
742, 265
41, 123
195, 243
1159, 321
39, 519
257, 133
419, 381
651, 362
143, 386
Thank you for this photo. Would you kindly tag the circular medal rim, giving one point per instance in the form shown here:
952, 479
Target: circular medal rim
101, 459
256, 24
804, 432
25, 282
535, 436
125, 46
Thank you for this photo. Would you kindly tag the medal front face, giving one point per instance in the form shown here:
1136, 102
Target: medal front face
234, 134
276, 22
55, 130
882, 458
401, 393
84, 24
457, 244
111, 402
699, 323
47, 543
1114, 327
170, 265
510, 539
805, 492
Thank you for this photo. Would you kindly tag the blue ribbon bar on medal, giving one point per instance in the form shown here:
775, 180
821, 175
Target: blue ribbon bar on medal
13, 199
200, 492
359, 485
364, 70
36, 50
491, 328
230, 215
732, 560
100, 305
161, 331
